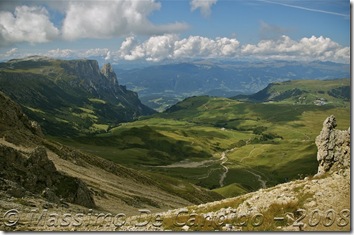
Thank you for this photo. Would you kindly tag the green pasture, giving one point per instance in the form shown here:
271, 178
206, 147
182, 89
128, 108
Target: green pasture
273, 142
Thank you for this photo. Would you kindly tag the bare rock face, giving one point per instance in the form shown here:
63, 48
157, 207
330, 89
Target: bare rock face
29, 171
34, 173
15, 126
333, 147
109, 73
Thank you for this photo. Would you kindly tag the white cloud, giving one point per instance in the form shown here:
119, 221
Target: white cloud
158, 47
128, 51
61, 53
169, 46
108, 56
313, 48
6, 55
26, 24
197, 46
95, 52
69, 53
11, 52
203, 5
97, 19
81, 19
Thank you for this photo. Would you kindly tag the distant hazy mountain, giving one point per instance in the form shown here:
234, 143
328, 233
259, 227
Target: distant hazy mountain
162, 85
69, 97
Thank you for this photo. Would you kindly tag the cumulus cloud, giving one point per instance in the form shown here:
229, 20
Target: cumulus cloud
313, 48
169, 46
26, 24
203, 5
205, 47
96, 19
81, 19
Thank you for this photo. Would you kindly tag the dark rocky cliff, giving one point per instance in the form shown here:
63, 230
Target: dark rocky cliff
69, 97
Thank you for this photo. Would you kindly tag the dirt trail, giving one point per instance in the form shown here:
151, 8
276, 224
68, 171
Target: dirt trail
223, 159
187, 164
259, 178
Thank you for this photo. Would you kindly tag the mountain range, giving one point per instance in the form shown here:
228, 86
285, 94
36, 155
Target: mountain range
161, 86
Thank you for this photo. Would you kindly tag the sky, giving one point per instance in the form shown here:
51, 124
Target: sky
157, 31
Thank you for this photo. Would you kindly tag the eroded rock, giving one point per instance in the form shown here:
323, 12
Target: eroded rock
333, 147
34, 172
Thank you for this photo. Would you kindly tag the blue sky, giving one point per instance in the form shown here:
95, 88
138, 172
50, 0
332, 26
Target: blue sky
152, 30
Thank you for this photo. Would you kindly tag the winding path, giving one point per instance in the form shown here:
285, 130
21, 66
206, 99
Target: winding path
259, 178
223, 160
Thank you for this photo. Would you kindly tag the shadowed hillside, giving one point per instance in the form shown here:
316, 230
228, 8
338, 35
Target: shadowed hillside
44, 175
68, 98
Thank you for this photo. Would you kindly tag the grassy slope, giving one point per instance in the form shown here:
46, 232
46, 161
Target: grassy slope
334, 92
273, 140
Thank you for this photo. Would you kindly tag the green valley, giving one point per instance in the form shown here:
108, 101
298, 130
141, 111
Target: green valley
263, 143
229, 145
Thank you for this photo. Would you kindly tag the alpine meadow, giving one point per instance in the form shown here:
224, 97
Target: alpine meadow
199, 115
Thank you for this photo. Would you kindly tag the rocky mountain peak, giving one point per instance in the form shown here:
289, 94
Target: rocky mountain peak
109, 73
333, 147
88, 75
